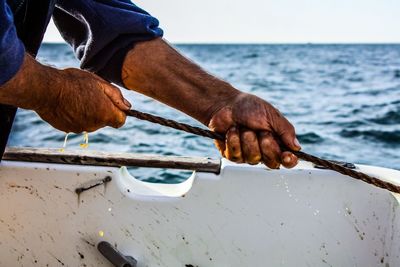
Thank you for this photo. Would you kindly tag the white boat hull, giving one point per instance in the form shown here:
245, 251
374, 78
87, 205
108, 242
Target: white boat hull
246, 216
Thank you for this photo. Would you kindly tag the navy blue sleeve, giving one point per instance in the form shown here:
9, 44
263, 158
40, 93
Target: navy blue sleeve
101, 32
11, 48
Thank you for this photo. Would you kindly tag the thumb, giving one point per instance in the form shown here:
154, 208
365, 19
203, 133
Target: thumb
222, 120
285, 130
117, 98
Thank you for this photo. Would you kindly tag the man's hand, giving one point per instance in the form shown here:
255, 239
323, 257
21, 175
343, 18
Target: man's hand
255, 131
84, 102
70, 100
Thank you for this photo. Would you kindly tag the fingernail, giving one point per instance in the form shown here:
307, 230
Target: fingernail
126, 102
296, 143
287, 159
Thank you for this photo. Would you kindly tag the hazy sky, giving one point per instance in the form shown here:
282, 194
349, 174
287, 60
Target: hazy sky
273, 21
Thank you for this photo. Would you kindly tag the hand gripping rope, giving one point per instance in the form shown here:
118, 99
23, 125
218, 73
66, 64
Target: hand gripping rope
302, 155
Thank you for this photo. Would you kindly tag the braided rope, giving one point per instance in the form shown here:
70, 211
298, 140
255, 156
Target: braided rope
302, 155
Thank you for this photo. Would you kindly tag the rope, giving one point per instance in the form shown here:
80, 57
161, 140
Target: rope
302, 155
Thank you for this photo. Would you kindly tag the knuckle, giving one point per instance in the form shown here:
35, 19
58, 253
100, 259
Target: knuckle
251, 152
233, 139
247, 134
266, 143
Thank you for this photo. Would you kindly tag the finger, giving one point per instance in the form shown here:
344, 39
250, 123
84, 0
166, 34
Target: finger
221, 121
116, 97
285, 130
270, 150
250, 148
118, 119
220, 146
289, 160
233, 150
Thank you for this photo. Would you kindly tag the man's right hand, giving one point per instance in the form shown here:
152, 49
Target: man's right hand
71, 100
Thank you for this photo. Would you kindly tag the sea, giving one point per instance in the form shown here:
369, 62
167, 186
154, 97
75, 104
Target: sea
343, 99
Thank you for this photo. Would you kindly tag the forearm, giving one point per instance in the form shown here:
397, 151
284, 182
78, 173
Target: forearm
157, 70
28, 87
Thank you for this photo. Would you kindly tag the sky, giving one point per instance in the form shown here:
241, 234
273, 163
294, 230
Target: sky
273, 21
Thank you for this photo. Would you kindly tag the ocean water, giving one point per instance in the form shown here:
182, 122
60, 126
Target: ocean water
344, 101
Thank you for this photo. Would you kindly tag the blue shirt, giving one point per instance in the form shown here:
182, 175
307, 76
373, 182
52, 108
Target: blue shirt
100, 31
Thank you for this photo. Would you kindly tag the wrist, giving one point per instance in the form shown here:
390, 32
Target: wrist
221, 97
46, 87
28, 89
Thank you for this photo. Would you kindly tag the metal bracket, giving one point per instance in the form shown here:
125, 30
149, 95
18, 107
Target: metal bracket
114, 256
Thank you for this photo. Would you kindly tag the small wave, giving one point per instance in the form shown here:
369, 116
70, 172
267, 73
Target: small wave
351, 124
389, 118
372, 92
157, 131
387, 137
397, 74
340, 61
252, 55
310, 138
101, 138
292, 71
355, 79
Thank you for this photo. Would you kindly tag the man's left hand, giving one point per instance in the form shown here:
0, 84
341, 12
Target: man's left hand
255, 132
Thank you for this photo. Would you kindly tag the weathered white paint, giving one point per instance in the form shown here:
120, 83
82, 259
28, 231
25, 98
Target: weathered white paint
246, 216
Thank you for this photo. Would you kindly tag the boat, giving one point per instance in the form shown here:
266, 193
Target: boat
58, 209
